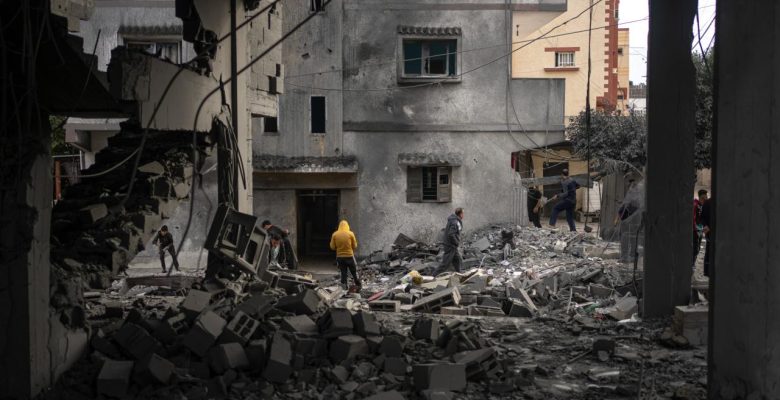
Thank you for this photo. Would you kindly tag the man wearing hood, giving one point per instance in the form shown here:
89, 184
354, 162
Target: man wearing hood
344, 243
452, 241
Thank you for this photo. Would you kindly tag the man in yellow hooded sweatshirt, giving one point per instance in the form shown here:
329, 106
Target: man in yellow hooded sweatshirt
344, 243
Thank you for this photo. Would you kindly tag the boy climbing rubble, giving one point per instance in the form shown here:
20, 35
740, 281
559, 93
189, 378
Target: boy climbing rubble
343, 241
164, 241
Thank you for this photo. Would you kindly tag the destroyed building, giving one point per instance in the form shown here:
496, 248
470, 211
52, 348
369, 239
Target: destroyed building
443, 123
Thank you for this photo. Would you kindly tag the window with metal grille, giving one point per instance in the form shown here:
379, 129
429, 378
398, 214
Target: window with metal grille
564, 59
432, 184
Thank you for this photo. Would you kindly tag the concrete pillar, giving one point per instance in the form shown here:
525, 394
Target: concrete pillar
670, 171
744, 357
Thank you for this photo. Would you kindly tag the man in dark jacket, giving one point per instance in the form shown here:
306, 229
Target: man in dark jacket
164, 241
534, 206
452, 242
568, 199
287, 255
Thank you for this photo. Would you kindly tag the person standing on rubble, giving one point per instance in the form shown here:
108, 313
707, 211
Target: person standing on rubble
707, 210
568, 200
452, 242
698, 227
344, 243
534, 206
164, 241
288, 255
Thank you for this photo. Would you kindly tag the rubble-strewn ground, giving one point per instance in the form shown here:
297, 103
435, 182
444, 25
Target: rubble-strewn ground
550, 320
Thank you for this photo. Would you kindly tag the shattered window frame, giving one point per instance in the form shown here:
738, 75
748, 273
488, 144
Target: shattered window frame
451, 59
440, 183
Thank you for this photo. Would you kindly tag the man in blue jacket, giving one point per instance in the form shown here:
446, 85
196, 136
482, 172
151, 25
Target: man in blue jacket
568, 199
452, 242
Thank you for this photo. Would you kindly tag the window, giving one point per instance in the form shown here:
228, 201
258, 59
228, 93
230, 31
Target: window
564, 59
316, 5
169, 50
430, 58
620, 51
317, 114
431, 184
270, 125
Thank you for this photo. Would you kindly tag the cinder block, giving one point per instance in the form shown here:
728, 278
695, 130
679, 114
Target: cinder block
439, 376
114, 309
240, 329
227, 356
204, 333
195, 302
346, 347
305, 302
396, 366
335, 322
518, 309
691, 322
373, 343
101, 343
278, 368
199, 369
479, 363
426, 329
434, 302
365, 324
135, 341
171, 328
255, 353
93, 213
312, 348
153, 369
385, 305
256, 306
300, 324
454, 311
391, 346
114, 378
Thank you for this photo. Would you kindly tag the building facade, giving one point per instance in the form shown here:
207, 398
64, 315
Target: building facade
554, 45
395, 113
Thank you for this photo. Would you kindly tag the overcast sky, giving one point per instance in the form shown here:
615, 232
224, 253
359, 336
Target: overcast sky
631, 10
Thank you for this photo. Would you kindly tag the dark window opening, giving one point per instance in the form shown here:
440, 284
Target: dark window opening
430, 58
428, 184
166, 50
620, 51
316, 5
318, 114
270, 125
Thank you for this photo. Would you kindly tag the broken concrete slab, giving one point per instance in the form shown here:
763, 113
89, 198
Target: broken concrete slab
154, 168
434, 302
624, 308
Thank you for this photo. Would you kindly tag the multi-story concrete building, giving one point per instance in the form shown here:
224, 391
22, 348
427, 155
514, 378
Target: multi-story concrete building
397, 112
564, 52
623, 57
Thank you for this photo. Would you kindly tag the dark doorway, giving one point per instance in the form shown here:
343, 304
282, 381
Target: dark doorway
318, 217
552, 169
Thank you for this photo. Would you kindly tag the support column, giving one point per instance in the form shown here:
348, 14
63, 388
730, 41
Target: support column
671, 114
744, 355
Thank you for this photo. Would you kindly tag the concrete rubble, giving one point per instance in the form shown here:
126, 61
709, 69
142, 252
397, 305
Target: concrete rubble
545, 320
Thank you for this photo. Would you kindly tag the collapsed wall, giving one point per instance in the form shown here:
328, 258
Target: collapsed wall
100, 224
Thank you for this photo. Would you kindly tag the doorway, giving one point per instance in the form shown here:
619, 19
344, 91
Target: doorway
318, 217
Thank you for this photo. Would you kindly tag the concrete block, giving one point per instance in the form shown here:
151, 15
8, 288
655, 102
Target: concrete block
487, 301
153, 369
404, 298
434, 302
171, 328
199, 370
480, 364
114, 309
691, 323
300, 324
454, 311
600, 291
518, 309
481, 244
335, 322
94, 213
195, 302
624, 308
204, 333
604, 348
256, 306
396, 366
146, 222
439, 376
102, 344
181, 190
240, 329
154, 168
425, 329
278, 367
256, 353
227, 356
347, 347
135, 341
114, 378
305, 302
373, 343
391, 346
339, 374
162, 187
385, 305
365, 324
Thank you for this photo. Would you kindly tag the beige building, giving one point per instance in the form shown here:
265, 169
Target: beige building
563, 53
624, 85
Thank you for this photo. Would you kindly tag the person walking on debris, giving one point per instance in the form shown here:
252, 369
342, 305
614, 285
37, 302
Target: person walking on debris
568, 200
164, 241
287, 254
534, 206
344, 243
698, 204
452, 242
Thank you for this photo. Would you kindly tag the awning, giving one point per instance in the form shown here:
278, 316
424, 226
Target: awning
272, 163
422, 159
429, 31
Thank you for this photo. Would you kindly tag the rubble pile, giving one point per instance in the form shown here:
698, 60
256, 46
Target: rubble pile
97, 229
